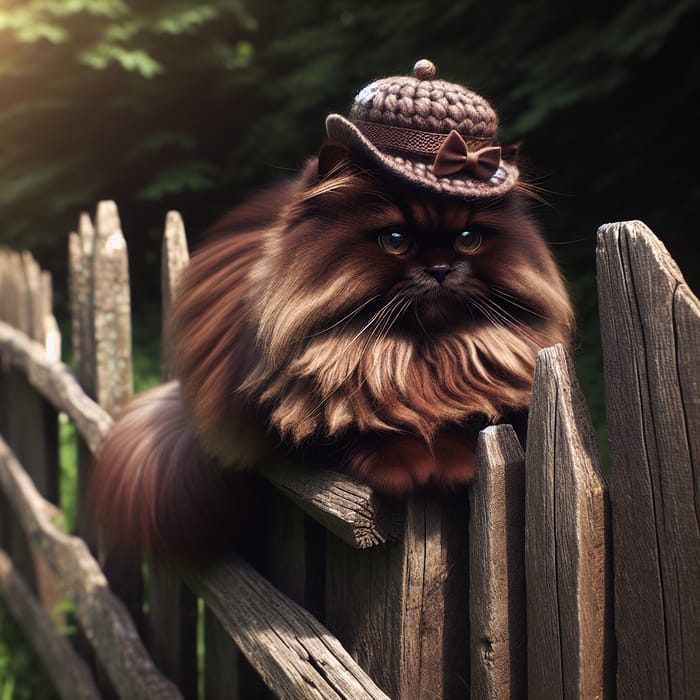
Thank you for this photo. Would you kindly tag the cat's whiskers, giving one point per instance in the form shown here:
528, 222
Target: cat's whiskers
375, 317
515, 301
526, 328
384, 319
495, 313
388, 325
347, 317
420, 323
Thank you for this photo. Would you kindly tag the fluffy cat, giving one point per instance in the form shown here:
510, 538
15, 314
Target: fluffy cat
349, 317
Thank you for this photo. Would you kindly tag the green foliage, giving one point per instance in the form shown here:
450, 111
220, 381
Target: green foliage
21, 675
68, 482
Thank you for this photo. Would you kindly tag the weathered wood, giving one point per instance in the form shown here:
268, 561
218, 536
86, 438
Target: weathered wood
113, 381
174, 259
390, 605
650, 325
346, 507
227, 673
56, 383
498, 639
103, 618
221, 662
296, 656
172, 622
567, 547
172, 610
37, 447
68, 672
81, 246
112, 311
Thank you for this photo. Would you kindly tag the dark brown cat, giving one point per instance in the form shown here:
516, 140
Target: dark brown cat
352, 315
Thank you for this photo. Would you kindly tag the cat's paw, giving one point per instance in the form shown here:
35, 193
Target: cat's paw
456, 460
399, 464
395, 465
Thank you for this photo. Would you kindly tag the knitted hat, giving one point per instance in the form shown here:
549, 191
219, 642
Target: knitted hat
431, 133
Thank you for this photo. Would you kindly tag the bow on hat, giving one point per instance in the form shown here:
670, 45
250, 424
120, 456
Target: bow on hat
454, 156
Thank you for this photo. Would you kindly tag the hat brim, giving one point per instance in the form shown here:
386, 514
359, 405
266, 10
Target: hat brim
419, 170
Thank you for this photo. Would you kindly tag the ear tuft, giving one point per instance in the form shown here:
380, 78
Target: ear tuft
333, 157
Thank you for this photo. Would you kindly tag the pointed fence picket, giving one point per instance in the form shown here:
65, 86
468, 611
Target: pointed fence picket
501, 590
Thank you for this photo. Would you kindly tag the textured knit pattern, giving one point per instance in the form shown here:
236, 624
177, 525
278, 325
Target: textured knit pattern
400, 123
425, 105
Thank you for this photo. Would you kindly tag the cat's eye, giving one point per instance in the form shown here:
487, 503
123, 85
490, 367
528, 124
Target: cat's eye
394, 242
467, 242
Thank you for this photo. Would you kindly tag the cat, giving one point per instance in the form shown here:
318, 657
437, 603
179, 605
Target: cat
346, 317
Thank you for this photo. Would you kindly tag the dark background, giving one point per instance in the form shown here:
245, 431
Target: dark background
195, 105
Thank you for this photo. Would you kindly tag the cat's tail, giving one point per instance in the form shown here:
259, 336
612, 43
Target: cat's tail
153, 489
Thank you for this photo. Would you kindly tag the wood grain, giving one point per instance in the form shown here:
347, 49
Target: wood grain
346, 507
55, 381
401, 608
296, 656
172, 610
567, 549
111, 311
650, 323
103, 617
69, 674
497, 567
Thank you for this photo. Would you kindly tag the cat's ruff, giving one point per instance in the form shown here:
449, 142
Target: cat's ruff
411, 125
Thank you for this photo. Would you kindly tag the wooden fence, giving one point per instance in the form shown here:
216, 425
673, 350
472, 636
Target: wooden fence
535, 582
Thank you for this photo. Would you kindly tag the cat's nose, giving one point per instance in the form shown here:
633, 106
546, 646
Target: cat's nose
439, 271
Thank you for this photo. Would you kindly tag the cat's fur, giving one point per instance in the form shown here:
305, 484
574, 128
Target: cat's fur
295, 333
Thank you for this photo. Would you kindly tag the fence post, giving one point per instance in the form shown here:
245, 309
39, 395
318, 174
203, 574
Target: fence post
81, 245
650, 323
497, 568
390, 605
101, 321
172, 609
570, 647
29, 422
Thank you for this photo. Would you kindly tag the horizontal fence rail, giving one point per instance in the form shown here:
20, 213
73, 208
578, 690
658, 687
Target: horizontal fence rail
504, 590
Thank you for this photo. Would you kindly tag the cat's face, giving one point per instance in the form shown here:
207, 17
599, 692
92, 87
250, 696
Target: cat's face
367, 259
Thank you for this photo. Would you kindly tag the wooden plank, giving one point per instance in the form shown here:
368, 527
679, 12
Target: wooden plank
103, 618
56, 383
111, 330
434, 632
68, 672
38, 447
172, 609
81, 247
221, 662
174, 259
650, 327
498, 639
227, 673
393, 605
344, 506
296, 656
567, 541
172, 623
111, 311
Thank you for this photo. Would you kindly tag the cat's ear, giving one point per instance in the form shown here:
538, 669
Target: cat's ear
333, 158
